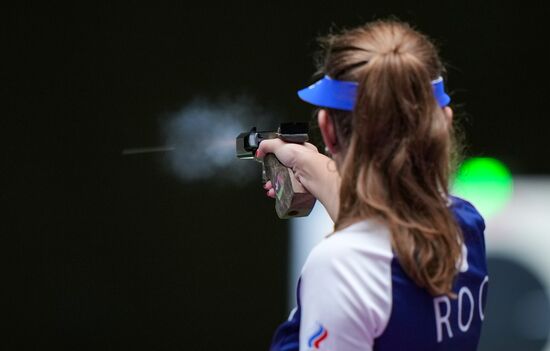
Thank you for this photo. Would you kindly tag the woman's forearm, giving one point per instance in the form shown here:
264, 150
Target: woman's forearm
319, 176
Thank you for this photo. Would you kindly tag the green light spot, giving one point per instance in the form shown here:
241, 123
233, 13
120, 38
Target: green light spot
486, 183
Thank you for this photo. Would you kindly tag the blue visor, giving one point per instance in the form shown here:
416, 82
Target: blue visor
341, 95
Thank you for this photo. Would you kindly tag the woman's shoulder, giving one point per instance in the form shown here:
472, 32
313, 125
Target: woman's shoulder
346, 285
467, 215
365, 244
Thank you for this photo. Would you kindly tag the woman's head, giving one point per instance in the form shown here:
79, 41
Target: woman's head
394, 150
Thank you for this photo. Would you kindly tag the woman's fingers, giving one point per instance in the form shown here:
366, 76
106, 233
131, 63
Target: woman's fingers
311, 146
269, 146
286, 153
270, 192
272, 145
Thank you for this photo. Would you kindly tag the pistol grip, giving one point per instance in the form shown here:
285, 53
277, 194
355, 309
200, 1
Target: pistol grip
291, 198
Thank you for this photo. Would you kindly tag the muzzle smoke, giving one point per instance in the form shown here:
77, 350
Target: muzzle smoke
201, 137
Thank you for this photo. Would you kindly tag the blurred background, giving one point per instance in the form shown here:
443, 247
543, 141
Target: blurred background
129, 224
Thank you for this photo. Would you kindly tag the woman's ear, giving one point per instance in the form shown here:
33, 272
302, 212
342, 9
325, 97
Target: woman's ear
449, 115
327, 131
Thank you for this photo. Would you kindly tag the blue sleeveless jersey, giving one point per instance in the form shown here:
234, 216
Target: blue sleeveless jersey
354, 295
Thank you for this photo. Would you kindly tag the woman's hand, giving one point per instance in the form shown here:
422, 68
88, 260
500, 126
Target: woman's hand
315, 171
286, 153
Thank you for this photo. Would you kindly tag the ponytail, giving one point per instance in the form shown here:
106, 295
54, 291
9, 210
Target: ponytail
397, 162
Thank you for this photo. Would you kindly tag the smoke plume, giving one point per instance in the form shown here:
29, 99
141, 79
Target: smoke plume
202, 139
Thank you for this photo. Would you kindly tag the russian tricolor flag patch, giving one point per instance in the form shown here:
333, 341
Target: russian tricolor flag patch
318, 337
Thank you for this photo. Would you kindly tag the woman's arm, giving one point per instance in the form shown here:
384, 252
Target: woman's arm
345, 289
316, 172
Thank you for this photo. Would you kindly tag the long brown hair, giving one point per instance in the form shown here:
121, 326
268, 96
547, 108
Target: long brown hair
397, 146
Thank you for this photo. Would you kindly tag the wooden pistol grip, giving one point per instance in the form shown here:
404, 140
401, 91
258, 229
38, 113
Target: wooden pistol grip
291, 198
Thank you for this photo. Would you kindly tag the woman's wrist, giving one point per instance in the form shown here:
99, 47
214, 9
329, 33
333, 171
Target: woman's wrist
319, 175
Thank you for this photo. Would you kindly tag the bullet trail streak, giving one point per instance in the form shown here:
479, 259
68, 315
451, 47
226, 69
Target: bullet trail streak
146, 150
